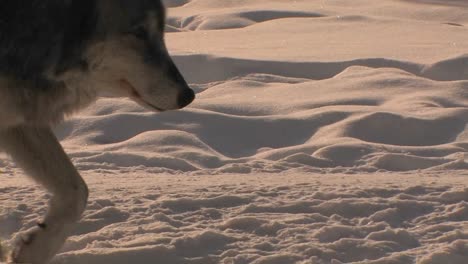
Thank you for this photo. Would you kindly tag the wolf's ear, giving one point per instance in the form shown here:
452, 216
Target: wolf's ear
135, 10
79, 29
114, 16
138, 10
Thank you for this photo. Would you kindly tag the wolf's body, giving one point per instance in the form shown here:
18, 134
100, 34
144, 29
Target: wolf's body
58, 56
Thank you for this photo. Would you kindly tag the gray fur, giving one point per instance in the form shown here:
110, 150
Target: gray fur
57, 57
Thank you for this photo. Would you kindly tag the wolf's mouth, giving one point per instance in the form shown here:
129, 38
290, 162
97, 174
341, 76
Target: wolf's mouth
135, 95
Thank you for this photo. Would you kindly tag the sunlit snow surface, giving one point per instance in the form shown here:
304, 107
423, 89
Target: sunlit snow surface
323, 132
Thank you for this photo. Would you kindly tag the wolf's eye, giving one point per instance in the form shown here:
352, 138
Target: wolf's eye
139, 32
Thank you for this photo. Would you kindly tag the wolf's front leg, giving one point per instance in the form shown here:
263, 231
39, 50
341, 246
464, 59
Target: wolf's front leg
38, 152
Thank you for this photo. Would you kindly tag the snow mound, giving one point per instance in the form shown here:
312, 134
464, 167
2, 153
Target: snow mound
363, 115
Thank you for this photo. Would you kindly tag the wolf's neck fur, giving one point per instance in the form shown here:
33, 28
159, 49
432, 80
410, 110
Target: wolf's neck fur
72, 94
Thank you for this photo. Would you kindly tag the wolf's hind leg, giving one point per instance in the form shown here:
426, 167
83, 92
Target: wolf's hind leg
38, 152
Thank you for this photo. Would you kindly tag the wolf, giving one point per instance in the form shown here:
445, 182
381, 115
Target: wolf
57, 57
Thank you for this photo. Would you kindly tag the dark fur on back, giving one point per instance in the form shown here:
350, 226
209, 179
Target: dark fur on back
39, 35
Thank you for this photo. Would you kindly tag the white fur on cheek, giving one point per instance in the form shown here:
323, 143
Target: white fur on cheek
123, 59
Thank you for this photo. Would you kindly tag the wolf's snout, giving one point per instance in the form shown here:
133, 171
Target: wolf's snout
185, 97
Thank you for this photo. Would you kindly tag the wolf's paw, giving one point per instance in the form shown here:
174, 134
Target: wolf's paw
37, 246
3, 253
28, 247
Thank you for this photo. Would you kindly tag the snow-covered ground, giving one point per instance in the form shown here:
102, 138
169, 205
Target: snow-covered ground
289, 217
324, 131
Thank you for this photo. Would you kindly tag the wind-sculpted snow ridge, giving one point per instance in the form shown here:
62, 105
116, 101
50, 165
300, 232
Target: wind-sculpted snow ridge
142, 218
240, 19
256, 116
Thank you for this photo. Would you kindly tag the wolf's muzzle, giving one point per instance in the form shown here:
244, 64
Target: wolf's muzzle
185, 98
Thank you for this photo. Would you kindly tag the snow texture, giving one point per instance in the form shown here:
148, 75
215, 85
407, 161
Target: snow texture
323, 132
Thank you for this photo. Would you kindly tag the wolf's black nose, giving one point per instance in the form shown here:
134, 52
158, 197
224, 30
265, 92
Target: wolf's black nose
185, 98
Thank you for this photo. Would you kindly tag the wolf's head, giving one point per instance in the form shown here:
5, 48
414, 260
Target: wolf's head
127, 56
